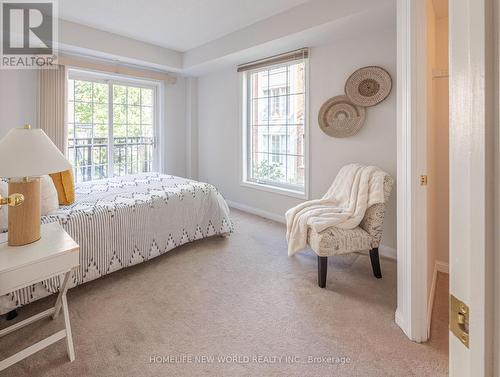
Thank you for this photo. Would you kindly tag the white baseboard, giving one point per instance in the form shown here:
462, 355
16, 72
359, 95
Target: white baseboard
398, 318
256, 211
442, 267
430, 300
385, 251
439, 266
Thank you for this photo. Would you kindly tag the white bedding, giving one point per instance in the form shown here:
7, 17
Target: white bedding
119, 222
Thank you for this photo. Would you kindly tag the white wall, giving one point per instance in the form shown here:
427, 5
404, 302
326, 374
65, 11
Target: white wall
437, 151
330, 65
437, 140
439, 182
18, 99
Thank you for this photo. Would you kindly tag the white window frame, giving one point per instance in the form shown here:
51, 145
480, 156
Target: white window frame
115, 79
244, 136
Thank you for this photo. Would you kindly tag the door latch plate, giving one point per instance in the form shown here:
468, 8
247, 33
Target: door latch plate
459, 320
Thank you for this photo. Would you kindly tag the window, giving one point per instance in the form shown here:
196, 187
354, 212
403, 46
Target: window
111, 127
275, 102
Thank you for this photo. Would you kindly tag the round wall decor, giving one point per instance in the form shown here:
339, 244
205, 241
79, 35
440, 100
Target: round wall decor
339, 117
368, 86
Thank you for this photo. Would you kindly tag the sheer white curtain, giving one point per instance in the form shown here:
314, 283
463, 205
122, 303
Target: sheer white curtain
52, 105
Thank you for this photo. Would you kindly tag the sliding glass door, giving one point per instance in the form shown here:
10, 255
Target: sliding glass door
111, 127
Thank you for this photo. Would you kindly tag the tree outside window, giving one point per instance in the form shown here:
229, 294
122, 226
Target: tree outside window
110, 129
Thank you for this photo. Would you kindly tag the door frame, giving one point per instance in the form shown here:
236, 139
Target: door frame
474, 176
411, 312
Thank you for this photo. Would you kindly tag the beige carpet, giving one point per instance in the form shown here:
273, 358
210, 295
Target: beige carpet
241, 297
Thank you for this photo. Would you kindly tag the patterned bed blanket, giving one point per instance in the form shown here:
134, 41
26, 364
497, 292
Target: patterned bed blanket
123, 221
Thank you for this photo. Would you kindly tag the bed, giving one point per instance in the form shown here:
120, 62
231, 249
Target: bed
123, 221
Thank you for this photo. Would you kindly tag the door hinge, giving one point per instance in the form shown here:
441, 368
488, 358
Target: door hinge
423, 180
459, 320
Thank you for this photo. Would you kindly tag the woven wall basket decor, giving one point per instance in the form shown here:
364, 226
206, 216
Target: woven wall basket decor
339, 117
368, 86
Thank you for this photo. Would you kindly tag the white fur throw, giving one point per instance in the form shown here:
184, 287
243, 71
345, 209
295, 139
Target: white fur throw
355, 188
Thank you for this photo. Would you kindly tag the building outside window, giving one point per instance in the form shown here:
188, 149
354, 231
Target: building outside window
275, 126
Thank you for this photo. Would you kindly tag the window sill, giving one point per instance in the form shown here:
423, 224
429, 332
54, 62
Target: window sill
274, 189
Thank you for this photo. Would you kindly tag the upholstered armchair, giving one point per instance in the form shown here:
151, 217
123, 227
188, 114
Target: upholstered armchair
367, 236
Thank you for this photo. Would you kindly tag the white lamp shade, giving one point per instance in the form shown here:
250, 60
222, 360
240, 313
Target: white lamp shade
29, 153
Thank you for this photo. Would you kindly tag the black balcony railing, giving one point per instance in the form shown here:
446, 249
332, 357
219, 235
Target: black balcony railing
91, 157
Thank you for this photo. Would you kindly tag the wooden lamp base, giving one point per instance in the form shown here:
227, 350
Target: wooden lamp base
24, 220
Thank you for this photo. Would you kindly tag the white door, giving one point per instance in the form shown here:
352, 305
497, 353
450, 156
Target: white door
472, 87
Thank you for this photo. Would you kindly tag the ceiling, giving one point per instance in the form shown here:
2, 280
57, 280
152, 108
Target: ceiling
176, 24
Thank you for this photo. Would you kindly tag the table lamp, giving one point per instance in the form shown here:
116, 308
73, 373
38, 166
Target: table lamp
25, 155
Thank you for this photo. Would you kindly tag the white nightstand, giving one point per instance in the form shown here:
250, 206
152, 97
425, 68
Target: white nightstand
21, 266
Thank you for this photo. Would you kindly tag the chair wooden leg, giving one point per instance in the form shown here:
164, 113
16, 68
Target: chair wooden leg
375, 263
322, 268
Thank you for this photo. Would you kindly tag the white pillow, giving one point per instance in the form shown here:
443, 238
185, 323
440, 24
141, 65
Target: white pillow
50, 201
4, 192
